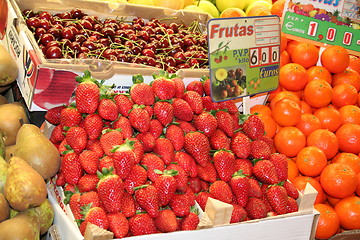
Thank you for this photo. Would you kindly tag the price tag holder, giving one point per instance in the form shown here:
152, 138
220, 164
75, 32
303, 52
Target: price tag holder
244, 56
322, 22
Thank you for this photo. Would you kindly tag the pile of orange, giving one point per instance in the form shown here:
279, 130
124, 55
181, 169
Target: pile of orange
314, 119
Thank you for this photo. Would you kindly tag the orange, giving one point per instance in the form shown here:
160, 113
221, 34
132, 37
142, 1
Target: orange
325, 140
308, 123
348, 136
289, 141
284, 58
354, 63
318, 93
318, 72
283, 38
260, 109
301, 181
259, 10
273, 93
329, 117
344, 94
358, 103
277, 8
348, 76
332, 200
232, 12
305, 54
357, 191
350, 114
328, 223
348, 210
286, 112
292, 76
290, 45
311, 161
305, 108
282, 95
350, 159
269, 124
338, 180
335, 58
293, 171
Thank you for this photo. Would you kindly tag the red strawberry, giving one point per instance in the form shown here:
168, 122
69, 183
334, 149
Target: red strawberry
265, 172
142, 224
255, 189
109, 139
148, 199
95, 215
123, 123
198, 146
128, 205
238, 214
209, 104
95, 146
164, 148
71, 168
163, 88
138, 149
156, 128
281, 165
196, 86
60, 179
148, 141
137, 177
202, 198
277, 197
182, 110
92, 125
256, 208
187, 162
90, 197
194, 100
70, 117
291, 190
206, 86
141, 93
150, 110
219, 140
87, 183
225, 122
166, 186
245, 165
139, 118
106, 162
108, 110
53, 115
224, 161
195, 184
206, 123
229, 105
110, 189
176, 136
269, 141
186, 126
74, 204
208, 172
76, 137
292, 205
181, 178
87, 93
221, 191
240, 145
259, 149
57, 134
89, 161
190, 222
253, 127
241, 188
166, 221
164, 112
180, 204
118, 224
124, 104
179, 87
124, 158
152, 162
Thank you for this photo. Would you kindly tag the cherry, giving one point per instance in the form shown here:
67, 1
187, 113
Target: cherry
107, 32
33, 22
39, 32
53, 44
53, 52
44, 23
86, 24
46, 38
80, 38
90, 45
55, 32
67, 33
28, 13
179, 57
148, 52
77, 13
45, 15
65, 15
75, 46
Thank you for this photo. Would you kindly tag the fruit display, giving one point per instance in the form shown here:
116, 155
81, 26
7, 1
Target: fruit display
147, 156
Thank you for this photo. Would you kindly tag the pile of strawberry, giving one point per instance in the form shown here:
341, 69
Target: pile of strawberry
136, 163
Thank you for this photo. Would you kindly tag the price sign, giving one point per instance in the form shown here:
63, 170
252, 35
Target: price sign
244, 56
334, 22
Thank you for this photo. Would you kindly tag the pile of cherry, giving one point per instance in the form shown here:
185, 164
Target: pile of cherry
74, 34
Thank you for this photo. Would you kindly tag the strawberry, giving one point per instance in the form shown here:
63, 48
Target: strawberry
278, 199
182, 110
245, 165
139, 118
198, 146
240, 186
110, 189
70, 117
148, 141
124, 158
74, 204
71, 168
201, 199
253, 127
195, 184
209, 104
150, 110
206, 123
186, 126
109, 139
87, 183
224, 162
292, 205
176, 136
76, 137
255, 189
180, 204
229, 105
291, 190
256, 208
221, 191
236, 120
107, 162
60, 179
163, 88
259, 149
89, 161
265, 172
269, 142
152, 161
208, 172
166, 185
138, 149
95, 215
206, 86
90, 197
53, 115
108, 110
219, 140
95, 146
137, 177
281, 165
57, 134
118, 224
147, 197
190, 222
166, 221
196, 86
164, 148
179, 87
128, 205
142, 224
164, 112
92, 125
124, 104
194, 100
187, 162
240, 145
238, 214
123, 123
87, 93
156, 128
225, 122
181, 178
141, 93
